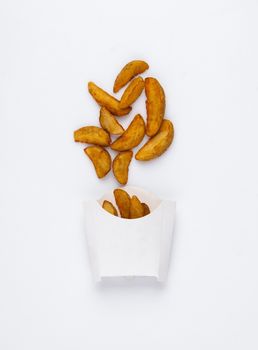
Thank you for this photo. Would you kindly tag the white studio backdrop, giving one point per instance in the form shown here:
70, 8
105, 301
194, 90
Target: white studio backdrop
205, 55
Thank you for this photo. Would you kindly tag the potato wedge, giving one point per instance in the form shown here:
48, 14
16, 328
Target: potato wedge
132, 92
121, 165
155, 105
92, 134
109, 122
158, 144
128, 72
108, 206
146, 209
132, 136
136, 208
123, 201
100, 158
106, 100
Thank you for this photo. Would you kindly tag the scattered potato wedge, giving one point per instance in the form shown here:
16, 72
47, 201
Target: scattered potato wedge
100, 158
132, 92
92, 134
155, 105
108, 206
158, 144
159, 130
106, 100
136, 208
129, 71
132, 136
123, 202
109, 122
146, 209
121, 166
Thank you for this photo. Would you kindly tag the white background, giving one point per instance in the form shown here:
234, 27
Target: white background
205, 55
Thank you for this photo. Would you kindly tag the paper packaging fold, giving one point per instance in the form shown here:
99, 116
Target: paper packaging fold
130, 248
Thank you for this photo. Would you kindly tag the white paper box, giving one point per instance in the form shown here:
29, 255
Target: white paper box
129, 248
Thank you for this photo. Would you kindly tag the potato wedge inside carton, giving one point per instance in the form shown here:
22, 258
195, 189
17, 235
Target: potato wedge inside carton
108, 206
136, 208
146, 209
123, 202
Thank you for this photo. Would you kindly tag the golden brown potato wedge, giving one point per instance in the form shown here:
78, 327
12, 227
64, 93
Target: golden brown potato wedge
123, 202
136, 208
109, 122
155, 105
121, 166
106, 100
92, 134
158, 144
146, 209
108, 206
128, 72
100, 158
132, 136
132, 92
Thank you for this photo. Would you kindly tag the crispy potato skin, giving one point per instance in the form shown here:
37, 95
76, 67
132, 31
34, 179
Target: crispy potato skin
157, 144
106, 100
132, 136
128, 72
132, 92
155, 105
123, 202
146, 209
93, 135
109, 122
121, 166
108, 206
100, 158
136, 208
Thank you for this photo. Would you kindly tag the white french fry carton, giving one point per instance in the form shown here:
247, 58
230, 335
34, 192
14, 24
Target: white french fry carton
130, 247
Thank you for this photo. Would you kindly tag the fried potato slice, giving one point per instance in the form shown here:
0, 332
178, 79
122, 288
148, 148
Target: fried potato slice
109, 122
108, 206
136, 208
92, 134
121, 166
132, 92
106, 100
132, 136
158, 144
146, 209
155, 105
123, 202
128, 72
100, 158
